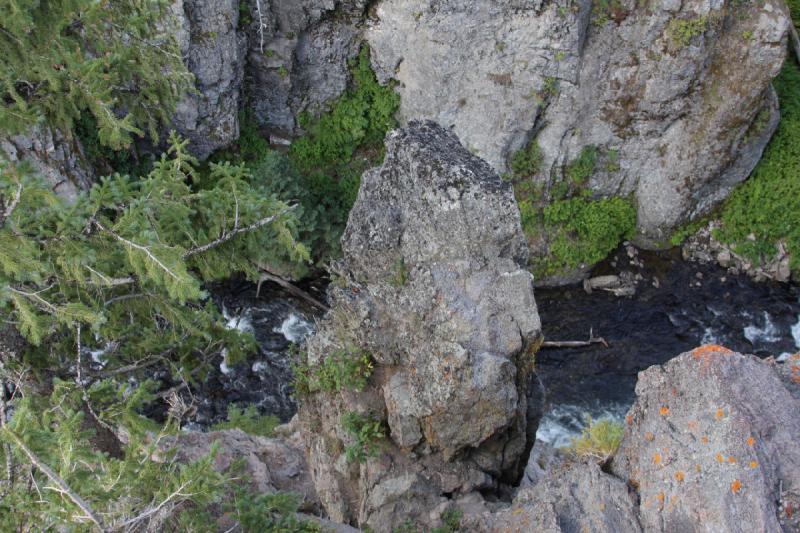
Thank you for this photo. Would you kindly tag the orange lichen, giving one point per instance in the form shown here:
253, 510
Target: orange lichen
751, 441
704, 439
679, 476
736, 486
710, 349
753, 464
664, 411
731, 460
649, 437
657, 459
720, 459
661, 497
629, 420
719, 414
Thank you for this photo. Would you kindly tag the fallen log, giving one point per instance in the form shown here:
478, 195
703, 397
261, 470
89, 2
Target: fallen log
576, 344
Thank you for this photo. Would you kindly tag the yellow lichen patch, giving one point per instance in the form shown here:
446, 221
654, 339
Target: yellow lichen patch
720, 414
736, 486
679, 476
518, 511
698, 468
751, 441
657, 459
720, 459
664, 411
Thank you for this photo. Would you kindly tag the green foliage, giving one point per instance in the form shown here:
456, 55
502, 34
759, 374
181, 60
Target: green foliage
345, 369
768, 204
128, 260
527, 161
108, 59
368, 434
451, 521
681, 31
604, 11
249, 421
582, 231
400, 276
117, 488
599, 439
687, 230
344, 142
270, 513
103, 159
581, 169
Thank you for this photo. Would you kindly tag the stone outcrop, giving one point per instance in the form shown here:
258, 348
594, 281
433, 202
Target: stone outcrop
433, 287
213, 49
298, 58
711, 444
676, 98
58, 161
573, 498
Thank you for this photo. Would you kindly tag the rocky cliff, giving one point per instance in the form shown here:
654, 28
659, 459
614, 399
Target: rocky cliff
418, 384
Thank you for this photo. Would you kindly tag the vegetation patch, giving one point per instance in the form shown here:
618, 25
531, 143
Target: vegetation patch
527, 161
249, 421
368, 434
599, 440
681, 31
345, 369
765, 209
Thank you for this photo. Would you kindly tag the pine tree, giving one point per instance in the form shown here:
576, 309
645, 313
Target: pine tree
115, 59
122, 270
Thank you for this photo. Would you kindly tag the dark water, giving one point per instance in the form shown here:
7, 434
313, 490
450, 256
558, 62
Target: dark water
677, 306
692, 305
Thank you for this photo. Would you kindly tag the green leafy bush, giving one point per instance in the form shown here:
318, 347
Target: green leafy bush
345, 369
599, 440
270, 513
581, 169
527, 161
767, 205
249, 421
368, 434
582, 231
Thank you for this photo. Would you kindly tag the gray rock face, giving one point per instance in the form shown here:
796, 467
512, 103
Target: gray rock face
572, 499
214, 51
710, 443
59, 162
297, 60
438, 294
676, 97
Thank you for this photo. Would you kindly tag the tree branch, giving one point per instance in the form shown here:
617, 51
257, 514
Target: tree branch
576, 344
12, 205
225, 237
139, 247
6, 447
55, 478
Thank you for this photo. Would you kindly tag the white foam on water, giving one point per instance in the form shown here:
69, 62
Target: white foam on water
562, 423
767, 333
242, 322
709, 337
796, 333
295, 328
259, 366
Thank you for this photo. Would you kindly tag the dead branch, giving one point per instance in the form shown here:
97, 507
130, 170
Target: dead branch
576, 344
293, 289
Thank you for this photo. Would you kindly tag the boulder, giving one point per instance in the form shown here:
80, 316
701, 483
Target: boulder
574, 498
213, 49
675, 98
711, 444
433, 288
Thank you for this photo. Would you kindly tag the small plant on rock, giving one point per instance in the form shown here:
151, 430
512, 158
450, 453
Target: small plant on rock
599, 440
368, 433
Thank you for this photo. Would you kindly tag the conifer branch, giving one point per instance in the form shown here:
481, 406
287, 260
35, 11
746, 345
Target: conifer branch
139, 247
178, 492
61, 485
226, 236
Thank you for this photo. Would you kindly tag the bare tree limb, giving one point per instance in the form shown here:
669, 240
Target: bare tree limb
226, 236
297, 291
61, 485
576, 344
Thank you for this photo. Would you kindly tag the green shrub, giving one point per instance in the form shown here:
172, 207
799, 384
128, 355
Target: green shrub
767, 205
270, 513
345, 369
582, 231
599, 440
581, 169
249, 421
451, 521
527, 161
682, 31
368, 433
